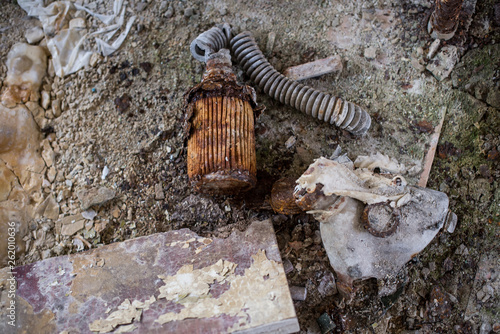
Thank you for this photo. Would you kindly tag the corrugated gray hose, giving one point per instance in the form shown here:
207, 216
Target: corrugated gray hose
346, 115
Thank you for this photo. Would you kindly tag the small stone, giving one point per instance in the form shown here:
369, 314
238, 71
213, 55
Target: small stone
51, 174
493, 97
163, 6
34, 35
462, 250
77, 23
317, 237
73, 227
159, 194
290, 142
480, 295
48, 208
433, 48
271, 37
223, 11
298, 293
451, 222
48, 154
123, 103
485, 328
448, 264
46, 254
56, 108
49, 114
370, 53
169, 13
189, 12
95, 196
50, 69
418, 64
327, 286
89, 214
95, 58
45, 99
141, 6
432, 266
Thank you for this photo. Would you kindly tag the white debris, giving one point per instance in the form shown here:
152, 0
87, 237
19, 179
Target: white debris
66, 34
89, 214
355, 251
105, 172
338, 179
26, 67
34, 35
381, 161
433, 48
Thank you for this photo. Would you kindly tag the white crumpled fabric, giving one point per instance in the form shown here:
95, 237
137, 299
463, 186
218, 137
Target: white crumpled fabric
65, 43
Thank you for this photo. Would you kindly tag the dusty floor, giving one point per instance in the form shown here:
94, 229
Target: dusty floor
452, 286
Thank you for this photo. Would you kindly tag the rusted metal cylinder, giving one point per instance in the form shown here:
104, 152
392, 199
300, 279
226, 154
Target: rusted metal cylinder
444, 20
221, 144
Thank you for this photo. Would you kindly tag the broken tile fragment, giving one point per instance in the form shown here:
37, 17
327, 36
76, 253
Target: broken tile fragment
315, 68
115, 286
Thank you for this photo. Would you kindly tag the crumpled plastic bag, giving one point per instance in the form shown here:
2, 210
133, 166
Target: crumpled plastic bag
65, 43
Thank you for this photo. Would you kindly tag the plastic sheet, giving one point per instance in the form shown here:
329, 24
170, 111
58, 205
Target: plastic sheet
65, 42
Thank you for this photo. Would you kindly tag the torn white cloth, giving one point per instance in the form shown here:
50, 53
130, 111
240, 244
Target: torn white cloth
65, 43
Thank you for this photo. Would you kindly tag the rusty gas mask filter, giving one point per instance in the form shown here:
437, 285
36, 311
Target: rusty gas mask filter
221, 144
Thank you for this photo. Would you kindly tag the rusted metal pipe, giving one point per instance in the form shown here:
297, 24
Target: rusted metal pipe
444, 20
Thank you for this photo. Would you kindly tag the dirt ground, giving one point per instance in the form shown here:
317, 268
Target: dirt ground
125, 114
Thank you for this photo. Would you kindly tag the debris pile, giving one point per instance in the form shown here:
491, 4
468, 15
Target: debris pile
372, 221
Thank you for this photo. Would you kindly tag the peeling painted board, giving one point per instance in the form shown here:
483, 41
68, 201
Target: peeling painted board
315, 68
122, 286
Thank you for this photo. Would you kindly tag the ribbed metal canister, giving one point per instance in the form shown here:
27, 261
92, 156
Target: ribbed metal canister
221, 143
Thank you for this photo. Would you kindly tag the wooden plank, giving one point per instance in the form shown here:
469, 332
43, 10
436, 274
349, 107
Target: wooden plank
175, 282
